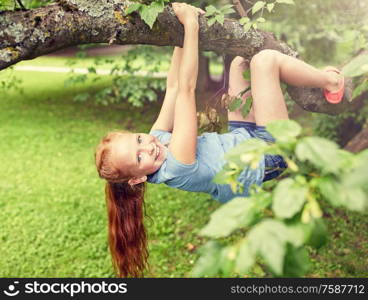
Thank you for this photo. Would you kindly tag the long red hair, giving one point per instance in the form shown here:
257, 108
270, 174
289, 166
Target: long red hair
125, 209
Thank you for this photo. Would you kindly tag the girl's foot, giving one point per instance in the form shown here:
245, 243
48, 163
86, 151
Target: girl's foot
334, 90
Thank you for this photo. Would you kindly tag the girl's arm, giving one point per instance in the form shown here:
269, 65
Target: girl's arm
184, 137
165, 119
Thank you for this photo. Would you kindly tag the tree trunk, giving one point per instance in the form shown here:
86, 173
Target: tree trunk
204, 81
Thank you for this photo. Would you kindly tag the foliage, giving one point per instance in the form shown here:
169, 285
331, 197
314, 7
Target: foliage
148, 12
217, 15
321, 31
279, 220
357, 66
11, 81
126, 86
257, 9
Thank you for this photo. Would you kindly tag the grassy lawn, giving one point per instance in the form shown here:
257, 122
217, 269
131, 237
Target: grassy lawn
52, 210
102, 62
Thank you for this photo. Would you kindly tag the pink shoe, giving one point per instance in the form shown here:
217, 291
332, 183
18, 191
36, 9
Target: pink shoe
335, 97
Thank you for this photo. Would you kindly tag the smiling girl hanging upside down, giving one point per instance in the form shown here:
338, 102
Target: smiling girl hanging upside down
173, 154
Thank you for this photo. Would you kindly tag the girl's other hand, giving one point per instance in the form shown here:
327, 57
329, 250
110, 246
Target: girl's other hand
186, 13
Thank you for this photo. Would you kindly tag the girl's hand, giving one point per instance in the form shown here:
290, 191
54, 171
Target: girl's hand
186, 13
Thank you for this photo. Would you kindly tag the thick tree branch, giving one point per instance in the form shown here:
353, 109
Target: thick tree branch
29, 34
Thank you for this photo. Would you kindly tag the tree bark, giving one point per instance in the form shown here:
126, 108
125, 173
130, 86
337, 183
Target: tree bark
359, 142
32, 33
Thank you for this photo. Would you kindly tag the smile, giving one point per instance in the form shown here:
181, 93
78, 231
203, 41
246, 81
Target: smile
157, 151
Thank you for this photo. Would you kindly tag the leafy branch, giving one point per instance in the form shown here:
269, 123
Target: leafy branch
148, 12
285, 216
258, 8
217, 15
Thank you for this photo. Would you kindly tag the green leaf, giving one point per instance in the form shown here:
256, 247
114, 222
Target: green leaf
321, 152
248, 146
247, 26
245, 259
247, 152
227, 9
227, 260
360, 88
257, 6
296, 262
235, 104
339, 194
357, 176
244, 20
211, 21
208, 262
132, 7
268, 239
237, 213
246, 74
329, 189
221, 177
81, 97
318, 235
261, 20
298, 233
220, 19
150, 12
227, 6
356, 66
92, 70
210, 10
285, 1
355, 199
284, 130
289, 197
246, 107
270, 7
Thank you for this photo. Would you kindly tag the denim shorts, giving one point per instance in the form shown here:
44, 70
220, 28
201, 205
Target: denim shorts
274, 164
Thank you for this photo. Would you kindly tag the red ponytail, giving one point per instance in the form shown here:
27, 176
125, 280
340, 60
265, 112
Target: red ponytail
127, 235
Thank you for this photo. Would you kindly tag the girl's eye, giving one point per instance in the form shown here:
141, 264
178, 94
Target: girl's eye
139, 158
139, 139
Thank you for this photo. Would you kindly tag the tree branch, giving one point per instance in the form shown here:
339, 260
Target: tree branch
32, 33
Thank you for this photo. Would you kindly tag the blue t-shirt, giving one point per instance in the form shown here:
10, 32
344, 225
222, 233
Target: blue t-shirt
197, 177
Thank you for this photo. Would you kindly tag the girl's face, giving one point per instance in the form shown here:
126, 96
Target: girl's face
139, 153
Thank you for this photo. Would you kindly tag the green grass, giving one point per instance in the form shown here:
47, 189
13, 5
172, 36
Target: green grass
52, 210
74, 62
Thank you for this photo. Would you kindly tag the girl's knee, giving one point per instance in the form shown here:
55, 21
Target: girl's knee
265, 59
238, 63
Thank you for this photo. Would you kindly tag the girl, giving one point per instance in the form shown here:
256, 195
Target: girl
173, 154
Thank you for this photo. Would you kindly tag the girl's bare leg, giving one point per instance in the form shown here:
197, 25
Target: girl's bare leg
237, 84
267, 68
